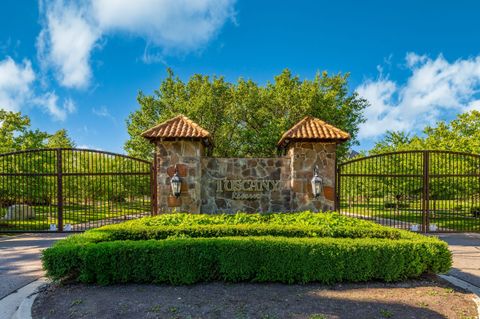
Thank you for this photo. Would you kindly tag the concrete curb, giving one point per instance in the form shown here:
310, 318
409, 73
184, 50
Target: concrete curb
18, 305
24, 311
467, 286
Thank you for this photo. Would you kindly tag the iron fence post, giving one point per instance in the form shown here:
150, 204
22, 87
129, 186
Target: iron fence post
153, 185
337, 187
59, 191
426, 191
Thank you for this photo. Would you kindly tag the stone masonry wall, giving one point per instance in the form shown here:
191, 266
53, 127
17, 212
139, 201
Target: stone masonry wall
187, 156
245, 184
304, 158
227, 185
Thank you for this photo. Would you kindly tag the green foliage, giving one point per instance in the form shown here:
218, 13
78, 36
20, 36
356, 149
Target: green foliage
244, 118
331, 219
16, 135
395, 205
475, 211
235, 259
234, 248
460, 135
60, 139
98, 197
306, 224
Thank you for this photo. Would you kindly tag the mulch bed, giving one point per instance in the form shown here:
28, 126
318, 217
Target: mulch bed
425, 298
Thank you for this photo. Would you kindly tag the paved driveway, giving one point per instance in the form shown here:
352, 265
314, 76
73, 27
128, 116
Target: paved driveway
466, 256
20, 259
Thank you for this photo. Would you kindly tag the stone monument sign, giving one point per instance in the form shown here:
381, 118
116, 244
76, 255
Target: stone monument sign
227, 185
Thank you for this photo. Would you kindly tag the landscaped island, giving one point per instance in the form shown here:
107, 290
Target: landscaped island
288, 247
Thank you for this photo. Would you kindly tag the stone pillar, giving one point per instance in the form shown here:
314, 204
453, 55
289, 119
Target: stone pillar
187, 155
304, 156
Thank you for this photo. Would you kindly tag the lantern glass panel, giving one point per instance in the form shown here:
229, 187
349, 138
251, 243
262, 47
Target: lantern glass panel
176, 184
317, 184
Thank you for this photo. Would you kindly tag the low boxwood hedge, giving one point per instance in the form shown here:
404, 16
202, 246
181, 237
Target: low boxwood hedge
296, 247
233, 259
306, 224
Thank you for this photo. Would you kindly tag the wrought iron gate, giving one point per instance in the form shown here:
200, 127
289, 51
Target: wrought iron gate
425, 191
71, 189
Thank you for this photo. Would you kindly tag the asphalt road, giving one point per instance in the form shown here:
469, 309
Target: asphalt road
20, 259
466, 256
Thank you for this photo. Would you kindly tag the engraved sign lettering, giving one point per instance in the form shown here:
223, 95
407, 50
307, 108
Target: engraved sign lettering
247, 189
247, 185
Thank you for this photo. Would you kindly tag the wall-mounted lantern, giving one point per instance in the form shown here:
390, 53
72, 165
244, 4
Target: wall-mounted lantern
317, 183
176, 183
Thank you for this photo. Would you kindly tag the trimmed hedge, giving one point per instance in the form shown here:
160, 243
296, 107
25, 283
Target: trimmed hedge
234, 259
295, 247
305, 224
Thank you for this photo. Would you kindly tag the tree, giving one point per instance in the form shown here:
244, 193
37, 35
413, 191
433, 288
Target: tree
60, 139
392, 142
244, 118
16, 135
462, 135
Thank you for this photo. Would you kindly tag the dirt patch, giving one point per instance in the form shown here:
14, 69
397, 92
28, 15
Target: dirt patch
426, 298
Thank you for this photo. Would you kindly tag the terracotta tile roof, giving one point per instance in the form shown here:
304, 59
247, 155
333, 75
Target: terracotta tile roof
177, 127
313, 129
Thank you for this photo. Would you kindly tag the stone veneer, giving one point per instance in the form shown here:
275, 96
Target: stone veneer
187, 155
218, 199
266, 184
304, 157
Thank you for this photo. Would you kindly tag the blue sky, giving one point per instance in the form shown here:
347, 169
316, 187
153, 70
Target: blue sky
79, 65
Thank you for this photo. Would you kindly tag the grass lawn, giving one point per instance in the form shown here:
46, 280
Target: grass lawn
74, 214
448, 215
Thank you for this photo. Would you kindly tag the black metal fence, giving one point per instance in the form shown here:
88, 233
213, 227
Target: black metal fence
76, 189
425, 191
71, 189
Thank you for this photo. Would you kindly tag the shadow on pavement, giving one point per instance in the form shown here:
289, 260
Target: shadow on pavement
20, 259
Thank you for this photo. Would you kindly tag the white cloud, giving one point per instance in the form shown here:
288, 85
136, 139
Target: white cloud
179, 24
104, 112
101, 111
434, 88
71, 30
49, 101
66, 42
474, 105
15, 83
17, 90
413, 59
89, 147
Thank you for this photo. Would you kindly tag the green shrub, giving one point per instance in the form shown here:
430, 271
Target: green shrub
234, 259
118, 198
305, 224
395, 205
458, 208
301, 218
297, 247
475, 211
